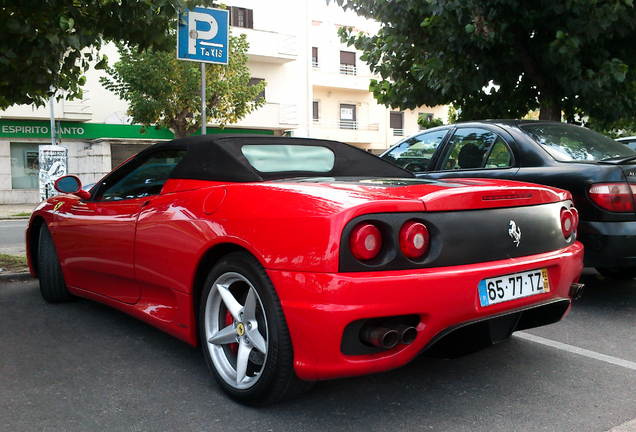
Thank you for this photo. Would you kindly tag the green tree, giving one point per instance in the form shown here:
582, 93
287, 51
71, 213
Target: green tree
165, 92
427, 123
47, 45
574, 57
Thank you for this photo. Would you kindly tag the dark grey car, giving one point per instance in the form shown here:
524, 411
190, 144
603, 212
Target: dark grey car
598, 171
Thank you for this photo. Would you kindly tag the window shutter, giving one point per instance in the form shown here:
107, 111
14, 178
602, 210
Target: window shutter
347, 58
396, 120
250, 18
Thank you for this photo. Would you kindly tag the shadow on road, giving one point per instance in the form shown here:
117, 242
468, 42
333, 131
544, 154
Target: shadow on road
83, 366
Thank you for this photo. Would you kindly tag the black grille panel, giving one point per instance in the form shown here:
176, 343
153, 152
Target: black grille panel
462, 237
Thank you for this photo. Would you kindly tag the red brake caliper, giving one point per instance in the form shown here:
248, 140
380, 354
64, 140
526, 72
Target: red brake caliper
228, 322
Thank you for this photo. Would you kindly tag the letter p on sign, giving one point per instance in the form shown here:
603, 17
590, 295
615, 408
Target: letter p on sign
197, 20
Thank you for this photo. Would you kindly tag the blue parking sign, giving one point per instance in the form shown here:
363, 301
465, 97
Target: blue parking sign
203, 35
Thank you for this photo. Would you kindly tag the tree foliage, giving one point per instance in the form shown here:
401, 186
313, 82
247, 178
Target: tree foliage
47, 45
576, 57
427, 123
165, 92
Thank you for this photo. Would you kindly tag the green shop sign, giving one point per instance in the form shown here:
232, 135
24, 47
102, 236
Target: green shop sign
90, 131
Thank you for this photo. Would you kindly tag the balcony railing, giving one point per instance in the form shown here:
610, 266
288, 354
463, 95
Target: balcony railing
287, 44
346, 124
78, 106
288, 114
346, 69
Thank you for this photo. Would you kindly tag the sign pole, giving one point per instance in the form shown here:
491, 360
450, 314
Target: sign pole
204, 117
52, 121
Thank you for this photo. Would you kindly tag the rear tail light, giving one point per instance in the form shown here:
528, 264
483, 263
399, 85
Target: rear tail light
365, 241
414, 239
568, 224
614, 197
575, 213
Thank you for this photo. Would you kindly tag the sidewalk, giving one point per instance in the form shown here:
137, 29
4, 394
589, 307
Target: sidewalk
9, 211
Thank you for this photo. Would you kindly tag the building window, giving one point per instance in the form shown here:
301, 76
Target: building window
427, 117
396, 122
241, 17
348, 116
314, 57
316, 112
347, 63
25, 165
254, 81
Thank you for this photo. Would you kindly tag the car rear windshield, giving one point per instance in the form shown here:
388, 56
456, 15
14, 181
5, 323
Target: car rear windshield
289, 158
567, 142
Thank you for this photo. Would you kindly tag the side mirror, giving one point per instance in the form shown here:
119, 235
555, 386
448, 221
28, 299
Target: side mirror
71, 184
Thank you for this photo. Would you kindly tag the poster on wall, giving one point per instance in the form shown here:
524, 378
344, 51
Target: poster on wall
53, 162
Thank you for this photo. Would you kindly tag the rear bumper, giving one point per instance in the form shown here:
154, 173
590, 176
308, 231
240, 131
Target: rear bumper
608, 244
319, 306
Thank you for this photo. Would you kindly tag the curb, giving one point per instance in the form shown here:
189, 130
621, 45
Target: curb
15, 277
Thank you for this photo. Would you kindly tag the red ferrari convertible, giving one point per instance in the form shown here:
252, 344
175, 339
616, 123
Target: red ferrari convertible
294, 260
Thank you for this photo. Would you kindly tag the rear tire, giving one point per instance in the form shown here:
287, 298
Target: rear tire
244, 335
618, 273
52, 285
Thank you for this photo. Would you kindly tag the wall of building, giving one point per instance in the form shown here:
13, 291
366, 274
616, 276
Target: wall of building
90, 161
281, 41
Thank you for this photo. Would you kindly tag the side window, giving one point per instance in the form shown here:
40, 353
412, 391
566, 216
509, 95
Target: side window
472, 148
500, 155
139, 178
414, 153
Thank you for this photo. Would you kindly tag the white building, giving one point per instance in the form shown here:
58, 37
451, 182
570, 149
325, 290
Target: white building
316, 87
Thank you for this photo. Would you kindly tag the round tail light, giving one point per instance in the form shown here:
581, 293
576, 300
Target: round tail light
575, 213
567, 222
414, 239
365, 241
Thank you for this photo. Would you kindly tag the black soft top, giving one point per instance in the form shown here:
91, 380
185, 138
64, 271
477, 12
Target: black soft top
218, 157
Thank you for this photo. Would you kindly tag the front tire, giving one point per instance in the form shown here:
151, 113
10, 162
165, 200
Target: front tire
52, 285
618, 273
244, 334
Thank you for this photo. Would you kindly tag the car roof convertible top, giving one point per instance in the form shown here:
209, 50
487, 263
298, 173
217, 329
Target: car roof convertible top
218, 157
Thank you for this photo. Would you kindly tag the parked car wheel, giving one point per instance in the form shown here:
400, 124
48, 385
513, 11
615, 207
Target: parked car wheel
619, 273
244, 335
52, 283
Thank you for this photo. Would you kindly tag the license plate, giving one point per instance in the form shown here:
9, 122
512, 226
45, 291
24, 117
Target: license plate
513, 286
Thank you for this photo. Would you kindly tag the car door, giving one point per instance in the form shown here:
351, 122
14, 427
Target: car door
415, 153
100, 234
474, 151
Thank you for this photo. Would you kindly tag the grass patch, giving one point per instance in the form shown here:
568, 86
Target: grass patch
13, 264
21, 214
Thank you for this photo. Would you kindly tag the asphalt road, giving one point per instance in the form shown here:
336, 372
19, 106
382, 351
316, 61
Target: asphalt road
83, 366
12, 236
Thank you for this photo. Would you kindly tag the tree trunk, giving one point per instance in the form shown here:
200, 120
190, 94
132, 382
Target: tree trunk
550, 111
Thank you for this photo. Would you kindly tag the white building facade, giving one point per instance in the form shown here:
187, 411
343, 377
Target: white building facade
316, 87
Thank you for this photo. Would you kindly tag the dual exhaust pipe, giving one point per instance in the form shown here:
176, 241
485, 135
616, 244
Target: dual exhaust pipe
387, 338
390, 335
576, 291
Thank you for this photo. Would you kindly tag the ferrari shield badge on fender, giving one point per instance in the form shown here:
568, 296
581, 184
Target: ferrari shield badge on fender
58, 205
515, 233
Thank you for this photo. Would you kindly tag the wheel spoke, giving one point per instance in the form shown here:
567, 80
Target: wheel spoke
225, 336
241, 361
250, 306
230, 302
249, 315
257, 340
